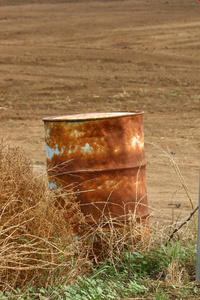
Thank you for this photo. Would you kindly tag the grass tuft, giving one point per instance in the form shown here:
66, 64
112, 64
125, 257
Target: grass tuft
36, 244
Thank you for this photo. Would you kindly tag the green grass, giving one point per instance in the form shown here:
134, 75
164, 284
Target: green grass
161, 274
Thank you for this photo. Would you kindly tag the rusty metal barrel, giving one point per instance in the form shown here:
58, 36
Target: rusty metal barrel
100, 156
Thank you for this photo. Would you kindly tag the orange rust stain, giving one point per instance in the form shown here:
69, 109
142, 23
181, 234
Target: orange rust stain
115, 192
100, 139
103, 162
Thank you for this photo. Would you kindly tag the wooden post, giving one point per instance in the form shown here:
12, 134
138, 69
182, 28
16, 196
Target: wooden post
198, 242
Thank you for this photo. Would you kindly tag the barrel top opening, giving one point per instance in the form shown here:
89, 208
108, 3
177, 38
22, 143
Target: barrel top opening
92, 116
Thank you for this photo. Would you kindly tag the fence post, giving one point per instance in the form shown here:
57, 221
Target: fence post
198, 242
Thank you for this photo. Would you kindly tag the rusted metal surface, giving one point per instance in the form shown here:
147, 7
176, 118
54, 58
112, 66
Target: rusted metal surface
101, 158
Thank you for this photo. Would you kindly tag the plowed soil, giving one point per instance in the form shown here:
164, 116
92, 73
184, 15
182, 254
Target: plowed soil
61, 57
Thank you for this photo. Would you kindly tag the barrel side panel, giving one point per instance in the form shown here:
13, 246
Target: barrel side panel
102, 162
99, 145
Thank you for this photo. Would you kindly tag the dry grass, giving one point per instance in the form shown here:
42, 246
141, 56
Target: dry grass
36, 244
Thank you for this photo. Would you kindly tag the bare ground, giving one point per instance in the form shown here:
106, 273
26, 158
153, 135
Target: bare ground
60, 57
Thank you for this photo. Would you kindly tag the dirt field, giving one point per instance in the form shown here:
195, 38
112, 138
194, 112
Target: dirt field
60, 57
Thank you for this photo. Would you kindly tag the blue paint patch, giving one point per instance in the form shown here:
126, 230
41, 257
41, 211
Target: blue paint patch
47, 135
52, 185
50, 152
87, 148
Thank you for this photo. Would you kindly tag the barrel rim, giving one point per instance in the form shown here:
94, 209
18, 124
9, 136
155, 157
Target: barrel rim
92, 116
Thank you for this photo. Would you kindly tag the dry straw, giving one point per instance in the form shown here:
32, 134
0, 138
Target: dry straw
36, 244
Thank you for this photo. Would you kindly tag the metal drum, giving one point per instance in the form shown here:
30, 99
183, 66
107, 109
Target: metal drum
100, 156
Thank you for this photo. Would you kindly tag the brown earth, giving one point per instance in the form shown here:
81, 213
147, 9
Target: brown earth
60, 57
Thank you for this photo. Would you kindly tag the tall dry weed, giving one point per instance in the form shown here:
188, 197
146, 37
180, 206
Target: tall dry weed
36, 243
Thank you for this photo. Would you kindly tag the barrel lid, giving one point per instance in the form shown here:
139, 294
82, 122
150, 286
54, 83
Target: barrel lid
92, 116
